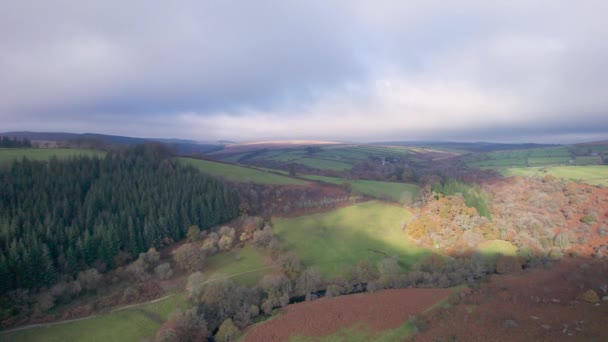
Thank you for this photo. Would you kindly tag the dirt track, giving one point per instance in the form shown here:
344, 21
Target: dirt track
383, 310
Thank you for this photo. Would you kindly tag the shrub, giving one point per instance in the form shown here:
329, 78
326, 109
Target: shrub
365, 271
184, 326
227, 332
89, 279
225, 242
589, 218
195, 285
188, 258
262, 238
508, 264
308, 281
193, 234
163, 271
290, 264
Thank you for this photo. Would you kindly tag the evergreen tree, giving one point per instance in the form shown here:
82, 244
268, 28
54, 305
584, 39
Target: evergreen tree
64, 216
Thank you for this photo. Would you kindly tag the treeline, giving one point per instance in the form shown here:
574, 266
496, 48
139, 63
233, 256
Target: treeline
7, 142
61, 217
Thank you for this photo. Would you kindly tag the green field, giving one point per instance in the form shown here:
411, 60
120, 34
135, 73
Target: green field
324, 164
595, 175
362, 333
8, 155
240, 174
244, 266
334, 157
494, 247
549, 156
337, 240
132, 324
400, 192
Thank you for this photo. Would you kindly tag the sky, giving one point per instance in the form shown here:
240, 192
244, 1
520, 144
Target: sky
509, 71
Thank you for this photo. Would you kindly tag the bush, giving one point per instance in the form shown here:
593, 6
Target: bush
188, 258
277, 289
290, 264
262, 238
163, 271
195, 285
365, 271
89, 279
193, 234
508, 264
308, 281
225, 242
184, 326
227, 332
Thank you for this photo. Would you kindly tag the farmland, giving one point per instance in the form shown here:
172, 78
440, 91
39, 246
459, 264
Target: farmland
594, 175
236, 173
337, 240
132, 324
381, 316
333, 157
571, 155
7, 155
243, 265
400, 192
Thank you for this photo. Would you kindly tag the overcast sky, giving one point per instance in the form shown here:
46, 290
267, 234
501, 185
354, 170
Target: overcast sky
350, 70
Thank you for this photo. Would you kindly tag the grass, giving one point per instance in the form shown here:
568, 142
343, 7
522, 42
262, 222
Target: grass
594, 175
240, 174
8, 155
493, 247
335, 157
490, 250
136, 323
131, 324
323, 164
339, 239
362, 333
515, 158
247, 263
399, 192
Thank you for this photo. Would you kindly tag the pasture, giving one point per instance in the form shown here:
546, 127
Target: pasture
586, 154
245, 266
241, 174
399, 192
333, 157
594, 175
337, 240
132, 324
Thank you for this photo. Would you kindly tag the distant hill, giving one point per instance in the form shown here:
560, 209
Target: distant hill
182, 146
466, 146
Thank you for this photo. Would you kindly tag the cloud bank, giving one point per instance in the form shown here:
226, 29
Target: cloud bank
339, 70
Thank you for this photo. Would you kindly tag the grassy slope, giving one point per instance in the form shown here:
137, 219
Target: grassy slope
589, 174
362, 333
335, 240
239, 173
7, 155
126, 325
245, 265
132, 324
324, 164
401, 192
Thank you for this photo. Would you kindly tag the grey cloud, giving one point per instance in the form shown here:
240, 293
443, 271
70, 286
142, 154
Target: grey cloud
358, 70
